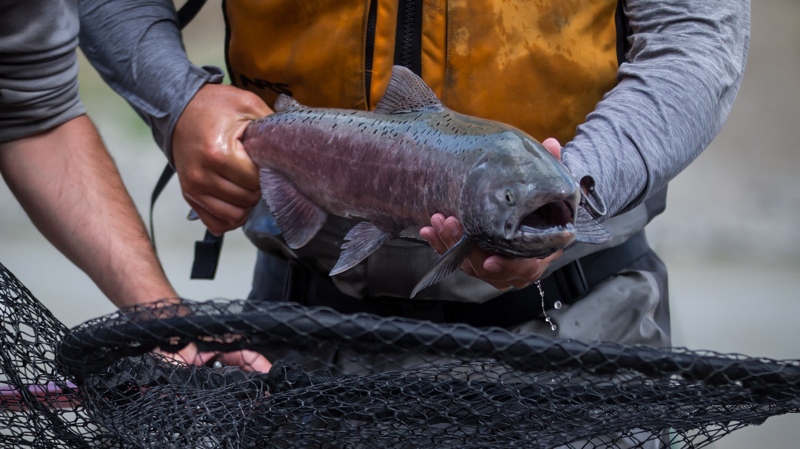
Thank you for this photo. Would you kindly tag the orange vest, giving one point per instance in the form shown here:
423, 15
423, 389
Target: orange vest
539, 65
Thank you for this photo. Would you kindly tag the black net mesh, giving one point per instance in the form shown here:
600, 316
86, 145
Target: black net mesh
358, 381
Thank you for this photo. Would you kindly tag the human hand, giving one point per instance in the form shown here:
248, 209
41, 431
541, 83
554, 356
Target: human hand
246, 360
498, 271
217, 177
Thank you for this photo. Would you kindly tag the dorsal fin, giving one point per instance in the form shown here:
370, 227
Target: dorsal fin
284, 102
407, 93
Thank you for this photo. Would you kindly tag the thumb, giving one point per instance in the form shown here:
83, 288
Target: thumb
553, 146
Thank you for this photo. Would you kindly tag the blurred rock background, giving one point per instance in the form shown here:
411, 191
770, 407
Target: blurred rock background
729, 236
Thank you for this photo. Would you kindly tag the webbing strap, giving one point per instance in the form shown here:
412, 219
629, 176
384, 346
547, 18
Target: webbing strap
166, 175
206, 256
187, 12
206, 251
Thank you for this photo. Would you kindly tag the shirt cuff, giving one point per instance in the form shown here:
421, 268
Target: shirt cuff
591, 198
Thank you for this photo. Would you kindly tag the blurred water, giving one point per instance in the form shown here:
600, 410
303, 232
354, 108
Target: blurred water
729, 235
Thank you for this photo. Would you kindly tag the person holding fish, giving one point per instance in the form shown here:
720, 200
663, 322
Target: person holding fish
634, 90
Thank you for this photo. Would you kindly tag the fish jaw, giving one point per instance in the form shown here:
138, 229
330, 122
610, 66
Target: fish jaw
547, 229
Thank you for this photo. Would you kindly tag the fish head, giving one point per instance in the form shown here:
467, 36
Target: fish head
519, 200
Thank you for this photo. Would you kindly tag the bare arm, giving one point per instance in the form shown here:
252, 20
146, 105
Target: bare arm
69, 186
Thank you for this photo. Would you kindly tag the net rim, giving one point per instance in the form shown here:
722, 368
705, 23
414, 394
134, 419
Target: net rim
134, 331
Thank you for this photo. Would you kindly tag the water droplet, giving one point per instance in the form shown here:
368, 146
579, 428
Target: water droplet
557, 305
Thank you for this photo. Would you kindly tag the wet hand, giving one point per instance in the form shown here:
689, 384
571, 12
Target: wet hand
248, 361
217, 177
498, 271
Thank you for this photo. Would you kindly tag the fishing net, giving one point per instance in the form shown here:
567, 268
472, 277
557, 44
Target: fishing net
357, 381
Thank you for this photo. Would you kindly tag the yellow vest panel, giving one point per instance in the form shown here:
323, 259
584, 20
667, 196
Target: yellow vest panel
539, 65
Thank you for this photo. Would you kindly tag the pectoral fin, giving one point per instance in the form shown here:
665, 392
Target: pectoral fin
446, 264
298, 218
589, 230
364, 239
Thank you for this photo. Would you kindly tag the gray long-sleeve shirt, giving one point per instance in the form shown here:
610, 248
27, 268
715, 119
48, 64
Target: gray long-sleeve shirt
685, 67
38, 66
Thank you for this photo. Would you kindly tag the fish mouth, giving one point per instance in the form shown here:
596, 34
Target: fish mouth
552, 216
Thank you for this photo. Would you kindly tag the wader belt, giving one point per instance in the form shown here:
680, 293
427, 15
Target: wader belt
568, 284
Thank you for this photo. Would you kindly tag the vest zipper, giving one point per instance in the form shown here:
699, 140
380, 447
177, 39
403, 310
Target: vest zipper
408, 41
369, 47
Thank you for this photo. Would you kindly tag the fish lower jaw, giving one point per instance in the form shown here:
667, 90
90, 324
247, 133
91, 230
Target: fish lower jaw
527, 233
531, 242
526, 253
569, 228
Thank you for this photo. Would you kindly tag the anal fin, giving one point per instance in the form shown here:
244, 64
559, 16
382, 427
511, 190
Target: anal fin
298, 218
364, 239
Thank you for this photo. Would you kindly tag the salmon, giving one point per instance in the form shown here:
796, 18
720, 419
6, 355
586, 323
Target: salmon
394, 167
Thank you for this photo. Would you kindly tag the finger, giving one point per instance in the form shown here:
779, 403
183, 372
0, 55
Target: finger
473, 265
239, 168
553, 146
222, 218
517, 269
451, 231
249, 361
229, 193
520, 272
228, 178
442, 234
475, 260
466, 267
429, 234
435, 234
188, 355
220, 189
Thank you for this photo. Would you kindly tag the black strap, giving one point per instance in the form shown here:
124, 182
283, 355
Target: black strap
166, 175
206, 256
568, 284
188, 11
206, 251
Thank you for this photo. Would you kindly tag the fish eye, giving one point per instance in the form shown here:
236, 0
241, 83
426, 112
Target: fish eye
509, 197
